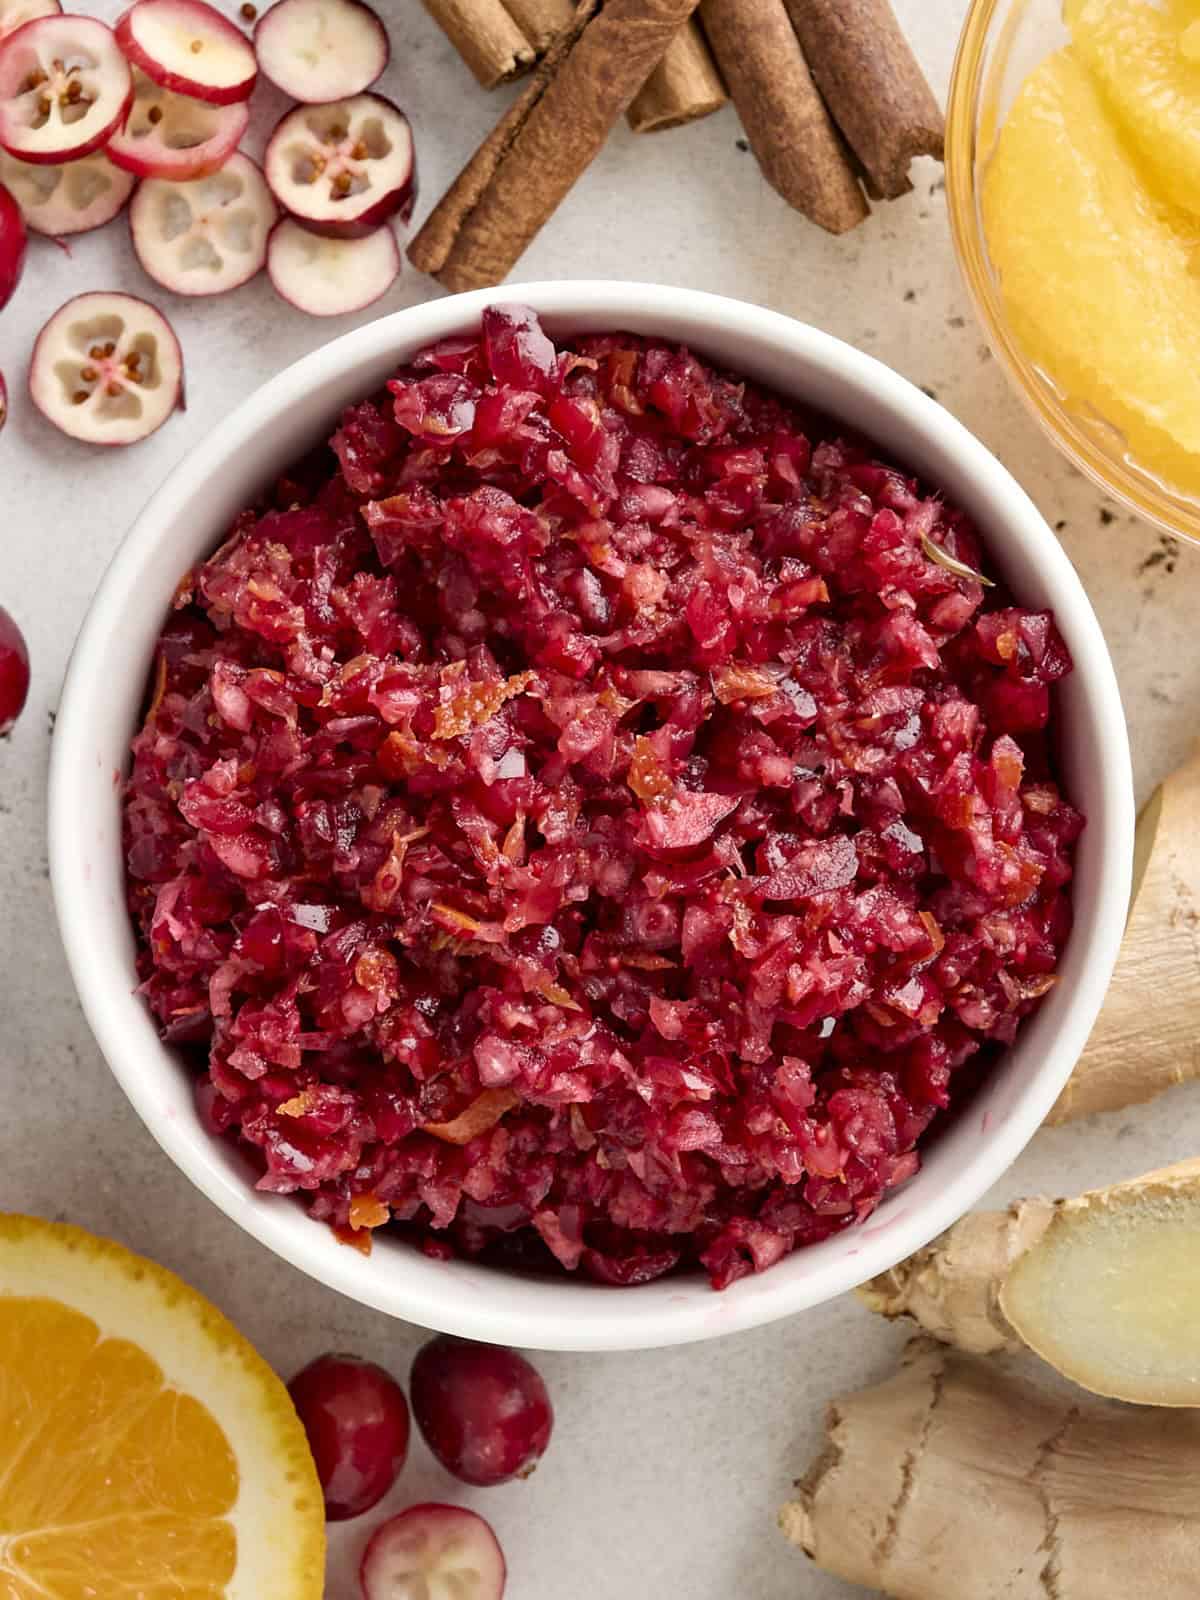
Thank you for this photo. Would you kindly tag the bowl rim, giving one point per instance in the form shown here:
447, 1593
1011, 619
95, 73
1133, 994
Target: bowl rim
430, 1295
966, 107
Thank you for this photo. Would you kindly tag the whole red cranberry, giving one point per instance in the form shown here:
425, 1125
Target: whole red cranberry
356, 1418
483, 1410
14, 672
13, 240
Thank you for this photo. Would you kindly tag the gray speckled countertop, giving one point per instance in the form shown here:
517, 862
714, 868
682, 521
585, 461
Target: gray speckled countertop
667, 1467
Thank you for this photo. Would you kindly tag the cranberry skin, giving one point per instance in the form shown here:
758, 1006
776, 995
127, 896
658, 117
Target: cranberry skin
356, 1418
482, 1410
13, 240
14, 672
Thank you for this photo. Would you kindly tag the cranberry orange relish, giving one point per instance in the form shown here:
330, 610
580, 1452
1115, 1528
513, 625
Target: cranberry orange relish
593, 812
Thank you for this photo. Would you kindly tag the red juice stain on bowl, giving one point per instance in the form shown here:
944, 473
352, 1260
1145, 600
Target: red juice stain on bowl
580, 819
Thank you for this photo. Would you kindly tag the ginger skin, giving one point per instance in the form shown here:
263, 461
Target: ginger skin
951, 1287
1145, 1039
956, 1480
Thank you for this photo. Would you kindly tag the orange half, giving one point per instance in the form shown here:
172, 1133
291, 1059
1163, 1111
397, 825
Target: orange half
146, 1451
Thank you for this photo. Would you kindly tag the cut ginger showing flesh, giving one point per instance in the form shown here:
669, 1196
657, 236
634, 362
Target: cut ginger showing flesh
1098, 279
1103, 1287
1110, 1294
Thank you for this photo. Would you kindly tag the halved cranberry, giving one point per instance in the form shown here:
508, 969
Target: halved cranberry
189, 47
433, 1552
64, 87
344, 169
208, 235
321, 50
173, 136
331, 277
15, 14
67, 198
107, 369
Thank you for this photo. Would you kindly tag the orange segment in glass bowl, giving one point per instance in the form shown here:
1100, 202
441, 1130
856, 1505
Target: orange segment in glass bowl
1099, 283
146, 1450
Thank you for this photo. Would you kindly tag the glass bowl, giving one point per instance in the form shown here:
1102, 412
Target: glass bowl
1002, 41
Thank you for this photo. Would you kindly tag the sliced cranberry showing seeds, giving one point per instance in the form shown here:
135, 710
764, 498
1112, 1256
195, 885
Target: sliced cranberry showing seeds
14, 660
356, 1418
343, 169
15, 14
433, 1552
207, 236
483, 1410
321, 50
107, 369
331, 277
68, 199
168, 135
64, 88
188, 46
13, 240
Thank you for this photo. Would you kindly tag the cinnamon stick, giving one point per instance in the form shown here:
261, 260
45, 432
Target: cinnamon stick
789, 129
872, 84
486, 37
512, 184
684, 86
540, 20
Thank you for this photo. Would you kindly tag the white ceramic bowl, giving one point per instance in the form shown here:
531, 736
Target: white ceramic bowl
103, 693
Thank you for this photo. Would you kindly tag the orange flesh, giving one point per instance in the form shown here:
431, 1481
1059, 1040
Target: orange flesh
1091, 207
104, 1469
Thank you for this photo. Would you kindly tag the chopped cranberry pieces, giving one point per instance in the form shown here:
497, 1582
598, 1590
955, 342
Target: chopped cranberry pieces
577, 823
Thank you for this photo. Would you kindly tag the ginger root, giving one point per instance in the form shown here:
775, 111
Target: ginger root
952, 1286
1103, 1287
1146, 1038
956, 1480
